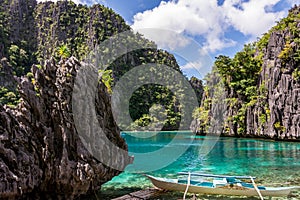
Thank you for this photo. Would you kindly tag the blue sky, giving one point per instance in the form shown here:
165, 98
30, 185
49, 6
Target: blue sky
201, 29
217, 26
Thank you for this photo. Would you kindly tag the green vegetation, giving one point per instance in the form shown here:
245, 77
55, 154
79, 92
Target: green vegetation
147, 96
262, 118
291, 50
64, 52
202, 114
240, 75
296, 74
36, 35
63, 29
241, 78
263, 42
279, 127
8, 97
76, 29
241, 72
286, 53
107, 79
18, 59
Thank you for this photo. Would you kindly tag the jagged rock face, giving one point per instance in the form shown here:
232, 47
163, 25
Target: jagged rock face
40, 28
21, 21
17, 22
283, 94
7, 78
198, 87
273, 111
79, 26
41, 155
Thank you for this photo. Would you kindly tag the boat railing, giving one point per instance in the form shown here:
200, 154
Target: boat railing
216, 176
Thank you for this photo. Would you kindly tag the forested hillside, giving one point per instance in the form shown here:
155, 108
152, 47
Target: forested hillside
262, 86
32, 33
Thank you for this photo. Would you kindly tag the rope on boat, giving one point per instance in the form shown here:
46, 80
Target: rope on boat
256, 188
187, 185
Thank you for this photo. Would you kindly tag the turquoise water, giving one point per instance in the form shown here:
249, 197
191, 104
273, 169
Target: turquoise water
273, 163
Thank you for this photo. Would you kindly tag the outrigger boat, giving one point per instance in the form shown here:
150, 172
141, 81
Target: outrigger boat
219, 184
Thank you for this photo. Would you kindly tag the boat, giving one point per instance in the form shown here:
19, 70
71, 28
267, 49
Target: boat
218, 185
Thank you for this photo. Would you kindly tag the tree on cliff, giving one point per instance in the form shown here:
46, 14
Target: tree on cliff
260, 81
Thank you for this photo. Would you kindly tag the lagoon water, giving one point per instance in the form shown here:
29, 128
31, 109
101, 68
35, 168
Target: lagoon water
274, 163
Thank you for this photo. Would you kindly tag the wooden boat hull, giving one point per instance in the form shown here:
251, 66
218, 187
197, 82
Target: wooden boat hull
173, 185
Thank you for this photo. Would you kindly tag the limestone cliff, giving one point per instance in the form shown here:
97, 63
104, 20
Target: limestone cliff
41, 155
7, 78
279, 77
33, 32
261, 85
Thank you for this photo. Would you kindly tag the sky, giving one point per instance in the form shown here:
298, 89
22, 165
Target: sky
197, 31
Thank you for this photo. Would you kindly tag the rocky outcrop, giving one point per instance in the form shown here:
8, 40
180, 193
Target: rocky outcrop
272, 111
197, 85
17, 27
279, 109
7, 78
41, 154
80, 27
63, 28
39, 29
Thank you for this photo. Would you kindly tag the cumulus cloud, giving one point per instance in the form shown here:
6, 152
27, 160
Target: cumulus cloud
166, 39
207, 19
252, 17
193, 17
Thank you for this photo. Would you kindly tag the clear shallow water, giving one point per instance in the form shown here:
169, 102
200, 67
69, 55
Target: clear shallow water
273, 163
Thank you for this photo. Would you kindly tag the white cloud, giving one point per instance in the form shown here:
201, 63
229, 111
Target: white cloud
207, 19
214, 42
251, 18
166, 39
193, 17
192, 65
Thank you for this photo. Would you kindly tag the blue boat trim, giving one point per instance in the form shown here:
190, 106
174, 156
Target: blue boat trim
215, 176
198, 183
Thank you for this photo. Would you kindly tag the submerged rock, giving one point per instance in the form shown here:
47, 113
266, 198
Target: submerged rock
41, 154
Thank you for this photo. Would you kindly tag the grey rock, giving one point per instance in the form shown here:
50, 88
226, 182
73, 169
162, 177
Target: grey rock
7, 78
275, 115
41, 154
